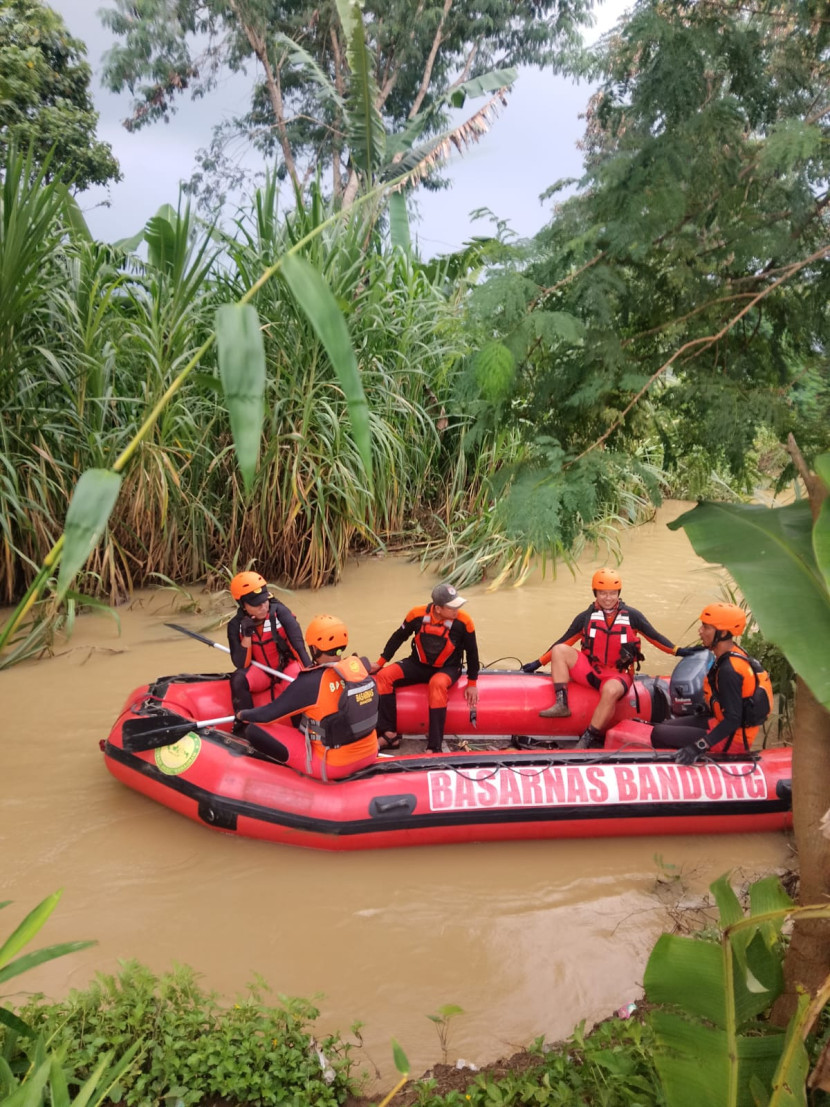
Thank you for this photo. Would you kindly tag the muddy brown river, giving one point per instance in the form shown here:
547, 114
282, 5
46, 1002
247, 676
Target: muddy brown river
527, 937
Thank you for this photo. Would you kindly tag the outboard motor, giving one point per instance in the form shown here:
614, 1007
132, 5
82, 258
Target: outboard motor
652, 699
686, 684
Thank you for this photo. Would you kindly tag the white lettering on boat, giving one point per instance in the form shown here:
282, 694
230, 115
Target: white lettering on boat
594, 785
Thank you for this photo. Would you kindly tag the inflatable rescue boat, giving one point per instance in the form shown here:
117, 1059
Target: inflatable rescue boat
164, 746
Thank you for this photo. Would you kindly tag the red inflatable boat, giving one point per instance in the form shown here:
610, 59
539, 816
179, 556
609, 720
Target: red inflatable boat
627, 788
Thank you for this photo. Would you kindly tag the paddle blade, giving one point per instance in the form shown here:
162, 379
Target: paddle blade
138, 735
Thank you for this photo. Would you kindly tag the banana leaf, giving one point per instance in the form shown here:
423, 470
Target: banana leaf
773, 555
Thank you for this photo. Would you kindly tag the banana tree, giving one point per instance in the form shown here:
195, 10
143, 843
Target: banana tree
706, 1002
405, 155
780, 559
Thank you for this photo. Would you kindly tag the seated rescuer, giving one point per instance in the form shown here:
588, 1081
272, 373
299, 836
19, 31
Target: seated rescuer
264, 630
609, 649
338, 706
737, 689
441, 636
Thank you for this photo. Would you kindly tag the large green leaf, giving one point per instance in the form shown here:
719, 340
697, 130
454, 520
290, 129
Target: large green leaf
86, 517
241, 355
821, 530
39, 957
790, 1080
770, 553
317, 301
684, 967
26, 930
696, 1068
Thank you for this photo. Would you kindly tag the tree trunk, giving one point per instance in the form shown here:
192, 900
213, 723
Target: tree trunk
808, 958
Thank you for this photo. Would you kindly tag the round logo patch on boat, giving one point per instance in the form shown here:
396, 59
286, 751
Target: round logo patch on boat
177, 758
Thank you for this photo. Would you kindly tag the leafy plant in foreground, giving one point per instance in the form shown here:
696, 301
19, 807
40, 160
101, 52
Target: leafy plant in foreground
27, 1085
194, 1047
710, 1044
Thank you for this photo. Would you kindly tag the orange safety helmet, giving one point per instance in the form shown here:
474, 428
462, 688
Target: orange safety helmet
725, 616
327, 633
246, 584
606, 580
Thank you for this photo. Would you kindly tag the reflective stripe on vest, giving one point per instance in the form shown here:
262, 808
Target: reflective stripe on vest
602, 642
269, 642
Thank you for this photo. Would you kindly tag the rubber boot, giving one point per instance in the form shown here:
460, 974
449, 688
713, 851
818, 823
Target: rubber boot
591, 739
560, 709
437, 719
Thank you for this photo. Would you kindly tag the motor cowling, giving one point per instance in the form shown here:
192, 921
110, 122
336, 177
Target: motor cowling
686, 684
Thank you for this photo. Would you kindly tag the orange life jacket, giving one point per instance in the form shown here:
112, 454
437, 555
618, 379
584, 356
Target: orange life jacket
756, 688
432, 642
347, 704
603, 643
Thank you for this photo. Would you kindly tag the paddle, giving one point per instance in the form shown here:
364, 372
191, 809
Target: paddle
217, 646
146, 734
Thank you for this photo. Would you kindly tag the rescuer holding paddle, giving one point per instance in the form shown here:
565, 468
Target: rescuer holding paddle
337, 702
263, 630
608, 634
738, 692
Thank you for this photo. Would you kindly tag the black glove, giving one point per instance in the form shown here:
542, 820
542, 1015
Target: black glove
688, 651
689, 754
629, 655
247, 626
531, 666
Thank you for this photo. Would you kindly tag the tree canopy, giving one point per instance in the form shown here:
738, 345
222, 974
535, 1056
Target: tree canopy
45, 100
679, 300
305, 62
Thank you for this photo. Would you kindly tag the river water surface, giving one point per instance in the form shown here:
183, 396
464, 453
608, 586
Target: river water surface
528, 938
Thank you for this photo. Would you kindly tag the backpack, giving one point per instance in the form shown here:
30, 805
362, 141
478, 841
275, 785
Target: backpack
356, 715
758, 705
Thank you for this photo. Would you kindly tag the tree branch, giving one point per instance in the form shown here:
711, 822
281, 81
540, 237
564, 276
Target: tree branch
259, 48
433, 54
816, 491
701, 344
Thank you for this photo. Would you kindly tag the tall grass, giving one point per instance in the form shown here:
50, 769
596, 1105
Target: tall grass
105, 336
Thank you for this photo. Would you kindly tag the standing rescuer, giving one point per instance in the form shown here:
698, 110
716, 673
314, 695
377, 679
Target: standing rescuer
441, 637
738, 692
608, 634
337, 703
263, 630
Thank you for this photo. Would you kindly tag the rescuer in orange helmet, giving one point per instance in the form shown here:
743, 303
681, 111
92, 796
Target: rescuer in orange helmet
263, 630
608, 637
337, 704
737, 690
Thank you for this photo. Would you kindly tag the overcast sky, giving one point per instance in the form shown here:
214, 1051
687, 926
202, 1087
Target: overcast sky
531, 144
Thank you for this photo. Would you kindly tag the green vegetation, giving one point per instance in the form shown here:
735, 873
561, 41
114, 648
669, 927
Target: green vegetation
193, 1046
701, 1036
45, 99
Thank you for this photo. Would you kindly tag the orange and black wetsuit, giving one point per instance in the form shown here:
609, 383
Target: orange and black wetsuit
439, 648
315, 749
728, 684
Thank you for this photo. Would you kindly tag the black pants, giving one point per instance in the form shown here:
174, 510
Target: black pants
674, 734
